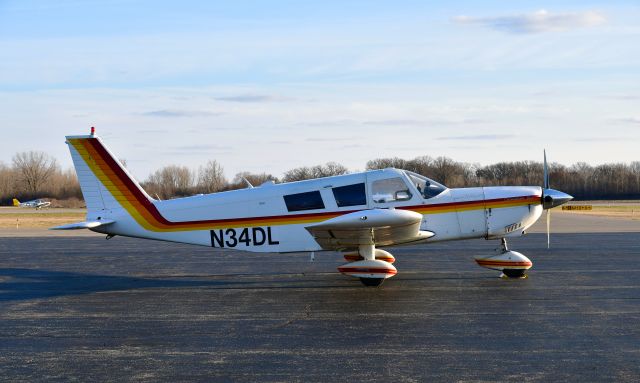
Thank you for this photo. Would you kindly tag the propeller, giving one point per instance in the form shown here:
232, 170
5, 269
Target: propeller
548, 228
551, 198
545, 172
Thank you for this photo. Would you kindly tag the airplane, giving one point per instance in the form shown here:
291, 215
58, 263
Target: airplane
358, 214
37, 203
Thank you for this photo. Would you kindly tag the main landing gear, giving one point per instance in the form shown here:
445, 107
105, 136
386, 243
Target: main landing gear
369, 264
511, 263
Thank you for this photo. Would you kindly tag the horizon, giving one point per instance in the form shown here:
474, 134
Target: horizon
271, 86
229, 177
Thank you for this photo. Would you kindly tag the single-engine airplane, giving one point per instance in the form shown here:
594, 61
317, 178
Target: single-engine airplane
354, 213
36, 203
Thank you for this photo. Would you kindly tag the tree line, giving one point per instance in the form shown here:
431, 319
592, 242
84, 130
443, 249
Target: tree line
581, 180
36, 175
179, 181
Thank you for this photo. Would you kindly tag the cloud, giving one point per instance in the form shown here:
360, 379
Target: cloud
354, 146
168, 113
198, 149
153, 131
625, 97
333, 123
399, 122
629, 120
537, 22
330, 139
602, 139
478, 137
396, 122
250, 98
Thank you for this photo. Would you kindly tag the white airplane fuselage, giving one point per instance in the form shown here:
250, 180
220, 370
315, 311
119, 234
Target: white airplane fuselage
352, 212
257, 219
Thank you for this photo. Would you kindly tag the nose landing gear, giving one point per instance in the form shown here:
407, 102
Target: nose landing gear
511, 263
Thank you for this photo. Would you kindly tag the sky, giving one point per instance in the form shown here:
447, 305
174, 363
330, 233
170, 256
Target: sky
266, 86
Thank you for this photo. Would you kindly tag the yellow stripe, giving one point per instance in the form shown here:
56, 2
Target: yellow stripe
137, 211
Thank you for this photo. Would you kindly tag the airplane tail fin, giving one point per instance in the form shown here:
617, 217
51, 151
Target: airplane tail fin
106, 184
16, 202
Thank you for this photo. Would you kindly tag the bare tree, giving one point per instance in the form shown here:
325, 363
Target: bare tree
329, 169
635, 170
170, 181
34, 174
211, 177
298, 174
64, 185
443, 169
383, 163
305, 173
7, 182
34, 170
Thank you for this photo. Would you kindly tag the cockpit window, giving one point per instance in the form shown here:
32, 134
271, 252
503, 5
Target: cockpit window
390, 190
427, 188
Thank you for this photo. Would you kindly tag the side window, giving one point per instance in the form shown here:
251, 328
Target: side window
390, 190
304, 201
350, 195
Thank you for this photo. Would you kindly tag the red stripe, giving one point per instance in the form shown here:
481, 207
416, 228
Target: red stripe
531, 198
145, 203
126, 180
359, 257
503, 263
366, 270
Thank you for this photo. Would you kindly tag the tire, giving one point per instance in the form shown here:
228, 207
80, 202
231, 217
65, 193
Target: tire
372, 281
514, 273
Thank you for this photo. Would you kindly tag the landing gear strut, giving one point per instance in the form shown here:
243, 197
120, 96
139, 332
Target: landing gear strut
511, 263
503, 245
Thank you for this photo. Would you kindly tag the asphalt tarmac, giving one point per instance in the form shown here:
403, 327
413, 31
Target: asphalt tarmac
87, 309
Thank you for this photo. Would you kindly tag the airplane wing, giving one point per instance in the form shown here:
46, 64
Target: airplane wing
83, 225
379, 227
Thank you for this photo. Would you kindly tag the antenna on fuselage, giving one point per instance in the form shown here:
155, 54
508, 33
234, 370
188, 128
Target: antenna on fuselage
248, 183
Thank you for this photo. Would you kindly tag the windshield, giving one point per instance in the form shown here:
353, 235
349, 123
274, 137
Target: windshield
427, 188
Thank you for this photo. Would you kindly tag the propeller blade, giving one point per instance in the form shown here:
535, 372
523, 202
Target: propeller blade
548, 228
546, 171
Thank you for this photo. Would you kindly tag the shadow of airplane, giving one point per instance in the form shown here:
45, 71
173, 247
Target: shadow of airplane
19, 284
24, 284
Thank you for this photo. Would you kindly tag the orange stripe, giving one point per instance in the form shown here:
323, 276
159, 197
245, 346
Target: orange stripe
147, 219
503, 263
366, 270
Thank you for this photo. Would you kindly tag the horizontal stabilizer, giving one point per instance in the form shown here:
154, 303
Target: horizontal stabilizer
83, 225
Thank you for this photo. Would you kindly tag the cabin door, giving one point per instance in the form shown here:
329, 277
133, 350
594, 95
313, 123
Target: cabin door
470, 209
